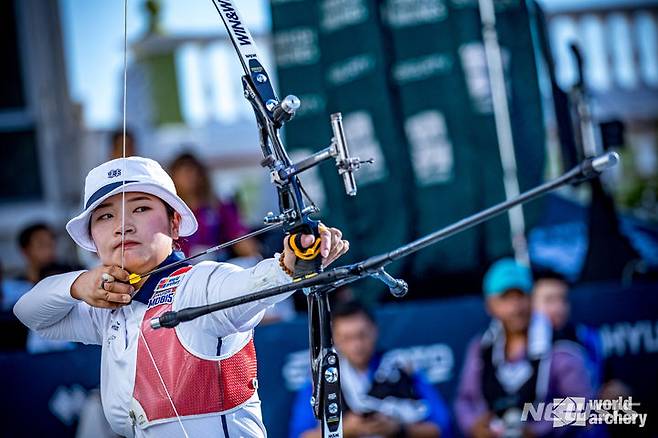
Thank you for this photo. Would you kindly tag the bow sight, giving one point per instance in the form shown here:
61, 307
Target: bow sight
338, 150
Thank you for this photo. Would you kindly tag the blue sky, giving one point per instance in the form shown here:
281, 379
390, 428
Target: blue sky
93, 44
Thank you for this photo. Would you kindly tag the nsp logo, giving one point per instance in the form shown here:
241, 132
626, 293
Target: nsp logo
576, 411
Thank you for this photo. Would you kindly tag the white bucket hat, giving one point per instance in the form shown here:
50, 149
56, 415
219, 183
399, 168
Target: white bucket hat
132, 174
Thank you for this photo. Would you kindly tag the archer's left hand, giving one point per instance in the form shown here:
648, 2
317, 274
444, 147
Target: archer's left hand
332, 246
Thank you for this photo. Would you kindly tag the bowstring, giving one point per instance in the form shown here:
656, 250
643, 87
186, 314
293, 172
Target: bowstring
123, 207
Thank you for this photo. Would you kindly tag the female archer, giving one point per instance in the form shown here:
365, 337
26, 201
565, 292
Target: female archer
198, 379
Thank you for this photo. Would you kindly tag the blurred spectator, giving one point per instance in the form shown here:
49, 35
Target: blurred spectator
38, 245
506, 367
116, 145
550, 303
39, 248
380, 397
218, 221
550, 299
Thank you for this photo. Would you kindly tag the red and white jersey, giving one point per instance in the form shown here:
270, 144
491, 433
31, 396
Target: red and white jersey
215, 347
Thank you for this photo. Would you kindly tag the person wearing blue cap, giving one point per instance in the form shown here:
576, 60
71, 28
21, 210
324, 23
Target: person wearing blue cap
511, 365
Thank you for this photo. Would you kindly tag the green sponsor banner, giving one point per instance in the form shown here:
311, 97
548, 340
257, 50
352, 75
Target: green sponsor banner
429, 82
411, 81
299, 67
356, 75
528, 127
513, 27
300, 72
317, 62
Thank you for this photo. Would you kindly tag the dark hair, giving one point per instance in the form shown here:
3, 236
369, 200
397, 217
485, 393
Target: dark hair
117, 135
351, 308
25, 236
189, 159
548, 274
170, 210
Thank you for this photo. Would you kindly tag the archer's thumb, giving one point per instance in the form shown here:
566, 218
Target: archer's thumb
307, 240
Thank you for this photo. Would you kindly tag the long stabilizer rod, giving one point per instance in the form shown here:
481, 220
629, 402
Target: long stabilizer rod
589, 168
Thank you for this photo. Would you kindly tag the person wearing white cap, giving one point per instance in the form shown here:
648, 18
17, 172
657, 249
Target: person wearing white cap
198, 379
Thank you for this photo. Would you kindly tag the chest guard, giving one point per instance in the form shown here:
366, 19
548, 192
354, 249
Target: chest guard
198, 386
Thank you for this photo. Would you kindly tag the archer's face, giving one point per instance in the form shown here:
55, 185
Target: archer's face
149, 233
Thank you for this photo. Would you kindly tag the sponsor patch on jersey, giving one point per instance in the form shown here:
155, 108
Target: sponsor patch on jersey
168, 282
164, 291
165, 297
